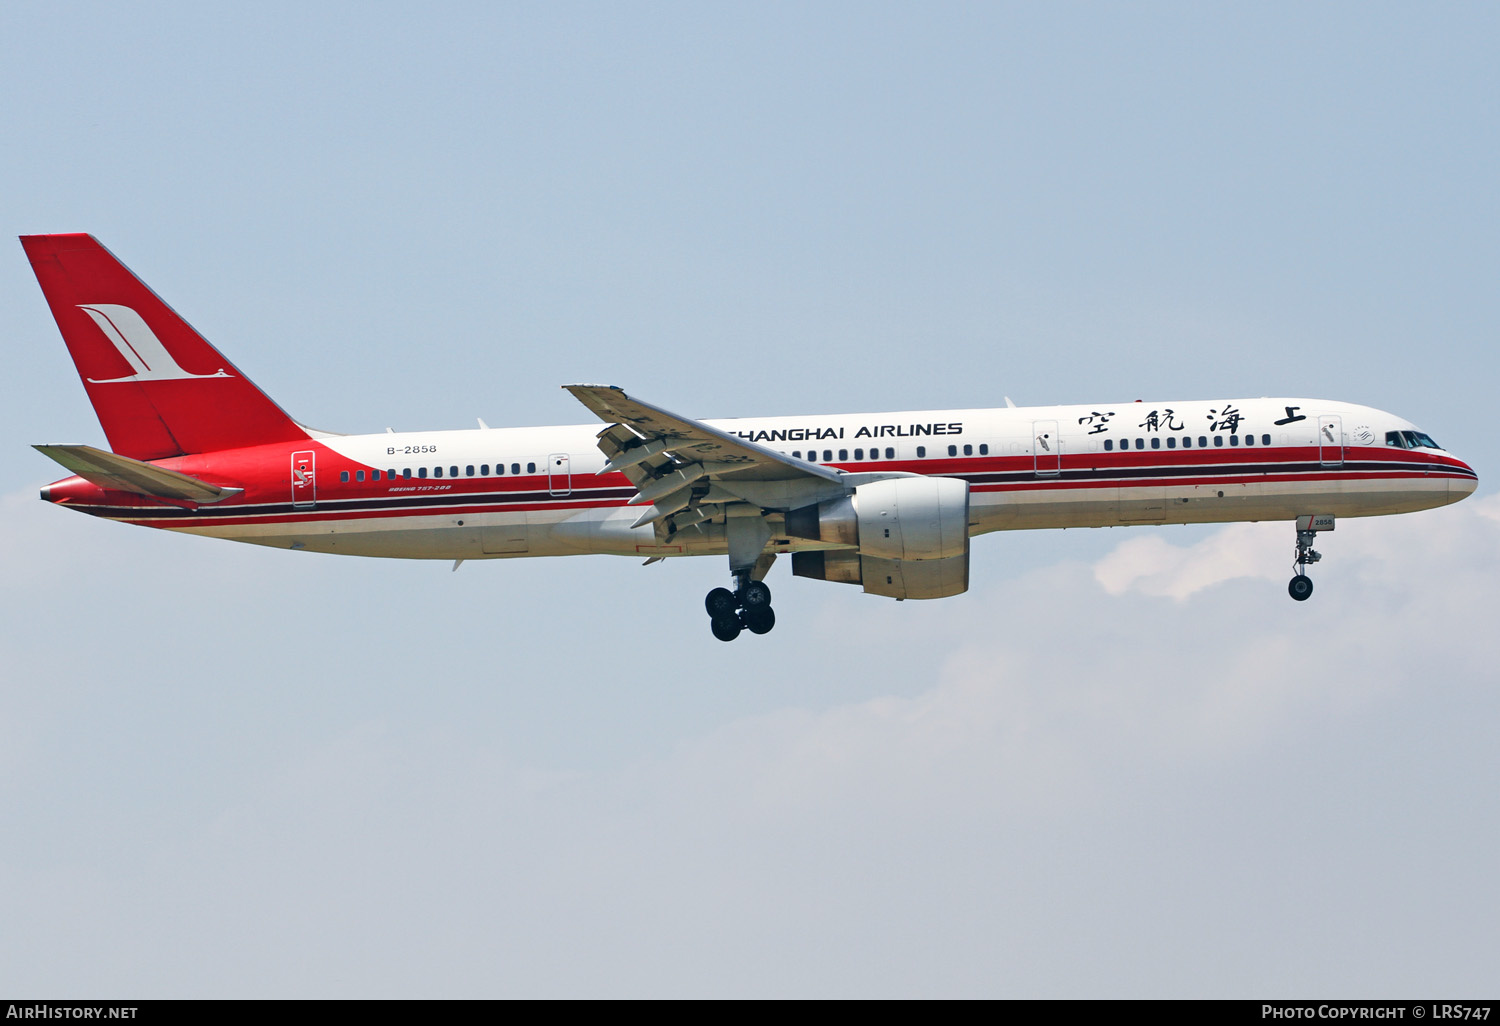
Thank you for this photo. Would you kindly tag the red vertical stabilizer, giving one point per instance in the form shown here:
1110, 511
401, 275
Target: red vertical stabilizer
159, 388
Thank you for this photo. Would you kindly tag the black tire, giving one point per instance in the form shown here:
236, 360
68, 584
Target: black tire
756, 595
721, 603
760, 620
1300, 588
726, 628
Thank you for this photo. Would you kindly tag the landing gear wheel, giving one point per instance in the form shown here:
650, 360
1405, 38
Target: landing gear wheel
755, 595
726, 628
721, 603
760, 620
1301, 587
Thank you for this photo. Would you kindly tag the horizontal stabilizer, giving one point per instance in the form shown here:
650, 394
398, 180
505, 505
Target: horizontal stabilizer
123, 474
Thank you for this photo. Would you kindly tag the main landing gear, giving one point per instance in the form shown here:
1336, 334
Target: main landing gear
1301, 587
748, 607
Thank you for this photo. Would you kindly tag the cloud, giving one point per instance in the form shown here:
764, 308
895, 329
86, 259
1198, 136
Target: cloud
1152, 565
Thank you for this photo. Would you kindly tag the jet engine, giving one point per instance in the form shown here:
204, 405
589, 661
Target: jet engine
905, 537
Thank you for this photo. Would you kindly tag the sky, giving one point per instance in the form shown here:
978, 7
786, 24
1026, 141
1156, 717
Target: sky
1124, 764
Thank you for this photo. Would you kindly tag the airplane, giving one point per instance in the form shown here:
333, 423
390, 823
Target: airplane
885, 501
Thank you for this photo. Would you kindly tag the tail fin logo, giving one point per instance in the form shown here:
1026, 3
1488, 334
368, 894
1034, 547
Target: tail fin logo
138, 344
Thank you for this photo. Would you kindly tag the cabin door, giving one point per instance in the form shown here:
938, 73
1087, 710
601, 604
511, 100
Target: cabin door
559, 477
1046, 448
304, 479
1330, 441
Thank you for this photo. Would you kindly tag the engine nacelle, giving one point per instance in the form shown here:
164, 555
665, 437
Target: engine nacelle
910, 538
915, 578
910, 518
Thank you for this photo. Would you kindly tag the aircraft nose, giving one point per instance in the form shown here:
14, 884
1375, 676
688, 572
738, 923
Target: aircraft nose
1462, 487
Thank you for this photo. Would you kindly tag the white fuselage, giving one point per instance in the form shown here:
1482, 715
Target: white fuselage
492, 493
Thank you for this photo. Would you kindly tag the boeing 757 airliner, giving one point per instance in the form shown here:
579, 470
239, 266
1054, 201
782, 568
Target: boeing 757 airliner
884, 501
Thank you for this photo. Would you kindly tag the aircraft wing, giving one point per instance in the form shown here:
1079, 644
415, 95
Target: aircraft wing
686, 471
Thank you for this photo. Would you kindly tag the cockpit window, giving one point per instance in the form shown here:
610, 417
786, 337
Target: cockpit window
1410, 440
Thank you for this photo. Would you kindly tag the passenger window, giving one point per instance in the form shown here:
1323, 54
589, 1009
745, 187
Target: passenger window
843, 454
1156, 441
1202, 442
1109, 445
1140, 443
515, 468
890, 453
827, 455
453, 471
984, 449
531, 468
796, 454
968, 450
406, 473
952, 450
859, 454
359, 475
1218, 440
469, 470
921, 452
484, 470
437, 471
421, 471
1171, 441
344, 476
1265, 439
1249, 439
1234, 439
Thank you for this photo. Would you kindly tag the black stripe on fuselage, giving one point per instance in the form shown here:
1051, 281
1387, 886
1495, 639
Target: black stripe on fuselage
1104, 474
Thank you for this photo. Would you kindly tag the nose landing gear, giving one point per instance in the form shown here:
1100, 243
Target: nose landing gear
748, 607
1301, 586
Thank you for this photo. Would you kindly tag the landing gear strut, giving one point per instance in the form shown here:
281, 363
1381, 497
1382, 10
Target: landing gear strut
748, 607
1301, 586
